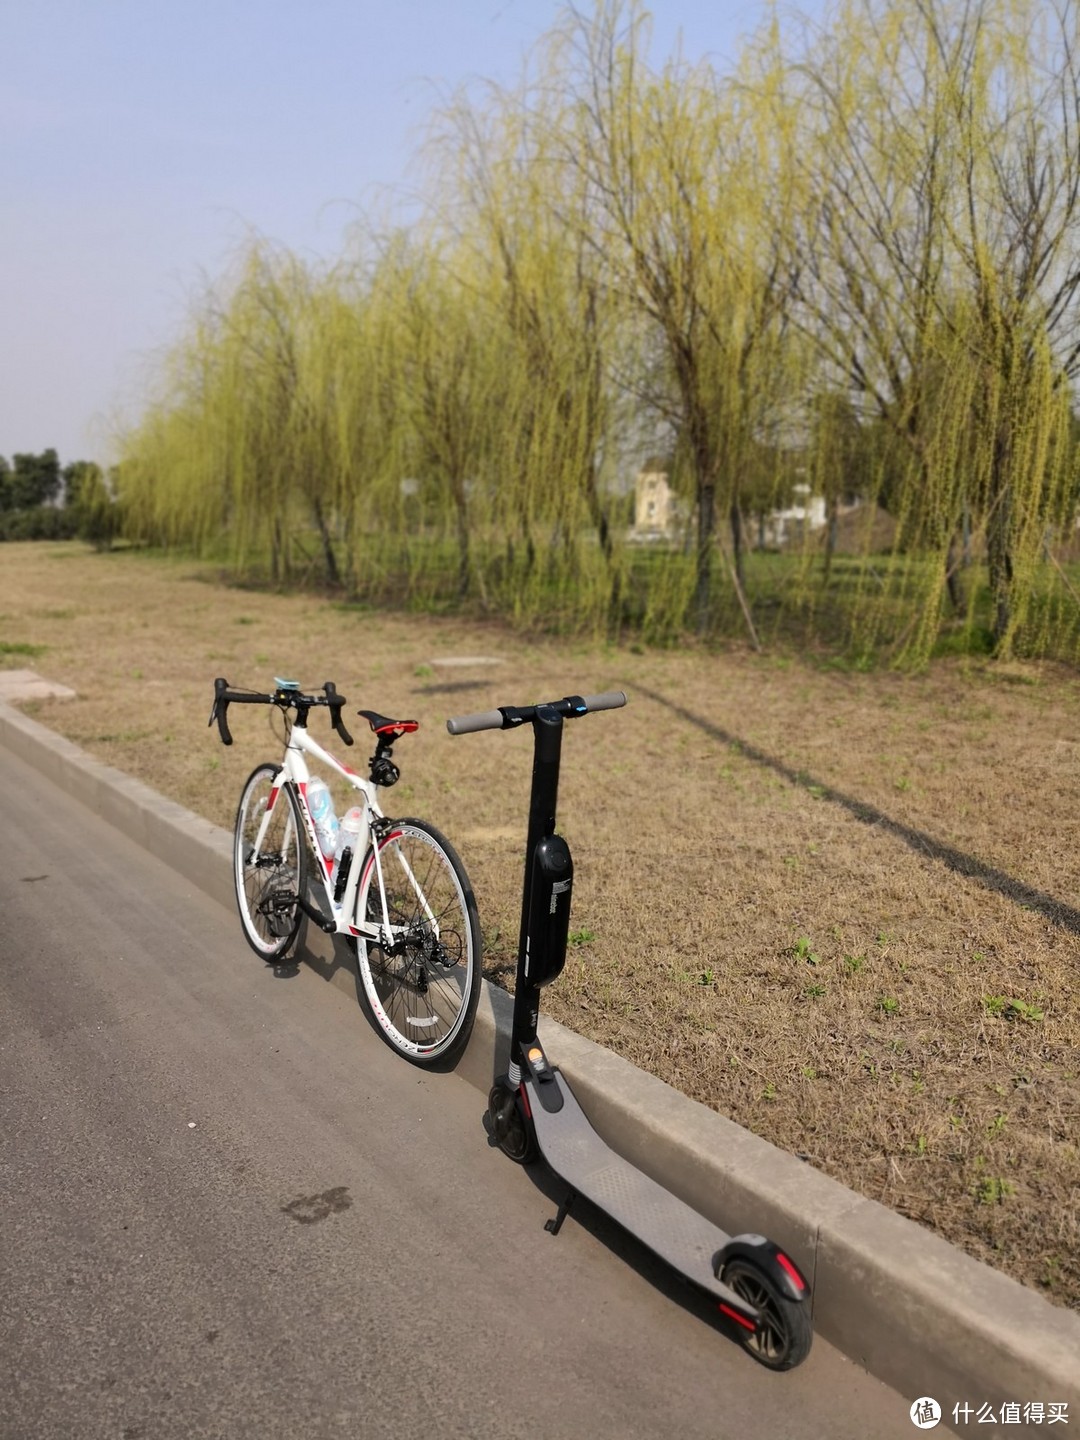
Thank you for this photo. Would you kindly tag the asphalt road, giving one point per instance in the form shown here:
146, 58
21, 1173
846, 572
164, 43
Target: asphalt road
227, 1210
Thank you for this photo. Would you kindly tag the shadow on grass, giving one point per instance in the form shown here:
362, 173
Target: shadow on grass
1065, 917
451, 687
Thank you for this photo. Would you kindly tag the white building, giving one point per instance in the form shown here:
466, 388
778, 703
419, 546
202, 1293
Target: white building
804, 515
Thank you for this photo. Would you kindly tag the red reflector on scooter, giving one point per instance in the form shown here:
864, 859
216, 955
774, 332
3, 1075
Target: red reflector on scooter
791, 1270
734, 1315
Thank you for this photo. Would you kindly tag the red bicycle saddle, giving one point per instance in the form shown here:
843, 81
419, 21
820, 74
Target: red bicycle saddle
383, 725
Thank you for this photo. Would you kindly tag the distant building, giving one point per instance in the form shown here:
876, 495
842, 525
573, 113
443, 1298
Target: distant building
658, 512
803, 516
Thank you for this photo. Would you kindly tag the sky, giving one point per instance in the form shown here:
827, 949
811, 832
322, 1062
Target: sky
143, 141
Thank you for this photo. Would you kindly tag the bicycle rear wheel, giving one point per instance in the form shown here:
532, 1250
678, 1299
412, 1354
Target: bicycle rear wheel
422, 999
268, 879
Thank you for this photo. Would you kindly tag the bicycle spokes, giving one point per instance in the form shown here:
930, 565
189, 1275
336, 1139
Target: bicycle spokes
268, 864
420, 973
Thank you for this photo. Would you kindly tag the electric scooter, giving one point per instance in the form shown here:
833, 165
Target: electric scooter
532, 1110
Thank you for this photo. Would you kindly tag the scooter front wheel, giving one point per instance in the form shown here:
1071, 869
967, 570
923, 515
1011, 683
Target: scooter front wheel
510, 1126
784, 1331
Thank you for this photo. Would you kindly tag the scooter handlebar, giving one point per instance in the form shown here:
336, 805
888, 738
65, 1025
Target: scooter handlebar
466, 724
610, 700
509, 717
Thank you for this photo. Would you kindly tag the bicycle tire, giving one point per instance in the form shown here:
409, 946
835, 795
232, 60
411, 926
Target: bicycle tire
421, 1002
265, 882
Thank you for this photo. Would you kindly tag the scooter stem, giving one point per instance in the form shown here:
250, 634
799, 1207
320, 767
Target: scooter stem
547, 726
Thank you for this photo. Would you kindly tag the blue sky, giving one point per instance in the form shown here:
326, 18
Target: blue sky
142, 141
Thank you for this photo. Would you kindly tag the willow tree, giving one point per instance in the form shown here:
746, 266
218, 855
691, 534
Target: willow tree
672, 209
836, 451
869, 247
527, 259
253, 429
226, 447
170, 461
937, 244
1015, 231
446, 376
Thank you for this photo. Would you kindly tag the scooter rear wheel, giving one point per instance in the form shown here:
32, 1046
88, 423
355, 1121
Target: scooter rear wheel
782, 1339
511, 1128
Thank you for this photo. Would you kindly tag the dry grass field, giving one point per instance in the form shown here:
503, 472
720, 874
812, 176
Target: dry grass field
842, 908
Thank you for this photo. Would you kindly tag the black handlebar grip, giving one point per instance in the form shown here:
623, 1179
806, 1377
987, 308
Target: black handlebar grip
221, 705
336, 702
467, 724
610, 700
339, 724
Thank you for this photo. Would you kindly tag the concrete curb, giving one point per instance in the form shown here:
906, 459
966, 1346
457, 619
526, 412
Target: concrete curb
913, 1310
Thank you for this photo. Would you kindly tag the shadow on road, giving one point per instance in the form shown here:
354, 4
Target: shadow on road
636, 1256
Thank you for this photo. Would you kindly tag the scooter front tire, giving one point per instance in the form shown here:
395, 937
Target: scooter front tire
510, 1124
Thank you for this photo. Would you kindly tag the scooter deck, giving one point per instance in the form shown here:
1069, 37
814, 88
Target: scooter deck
661, 1221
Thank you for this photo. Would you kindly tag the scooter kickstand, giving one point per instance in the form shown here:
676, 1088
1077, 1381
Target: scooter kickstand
554, 1225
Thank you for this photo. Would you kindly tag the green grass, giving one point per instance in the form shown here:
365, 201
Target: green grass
864, 618
21, 647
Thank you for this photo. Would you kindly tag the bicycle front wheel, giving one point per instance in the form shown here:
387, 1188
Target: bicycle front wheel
420, 989
269, 872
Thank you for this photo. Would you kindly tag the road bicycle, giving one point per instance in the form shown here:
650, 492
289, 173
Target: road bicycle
397, 889
532, 1110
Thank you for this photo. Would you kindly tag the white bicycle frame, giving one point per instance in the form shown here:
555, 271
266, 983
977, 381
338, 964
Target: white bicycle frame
294, 769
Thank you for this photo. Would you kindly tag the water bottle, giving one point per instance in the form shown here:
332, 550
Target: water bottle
321, 804
352, 836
